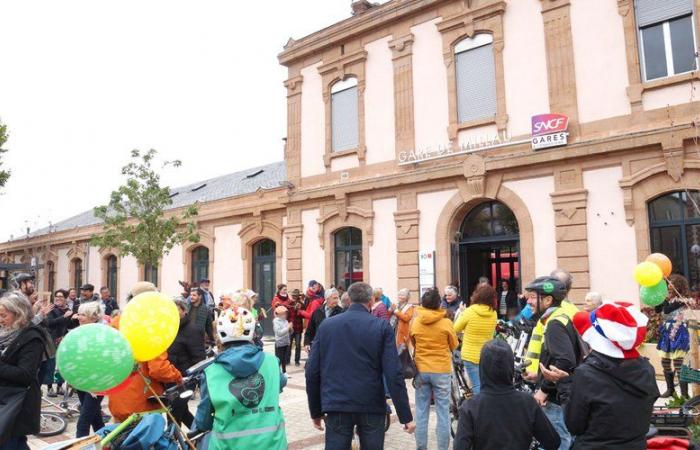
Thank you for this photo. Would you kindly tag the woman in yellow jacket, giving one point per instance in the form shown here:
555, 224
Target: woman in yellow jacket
478, 322
434, 342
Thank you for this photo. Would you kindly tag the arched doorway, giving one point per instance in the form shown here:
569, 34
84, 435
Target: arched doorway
264, 256
674, 225
488, 245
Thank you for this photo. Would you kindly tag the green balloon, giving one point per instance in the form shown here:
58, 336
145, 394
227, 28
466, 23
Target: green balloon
94, 358
654, 295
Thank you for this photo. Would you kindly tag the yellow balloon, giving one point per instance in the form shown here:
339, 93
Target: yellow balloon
648, 274
149, 322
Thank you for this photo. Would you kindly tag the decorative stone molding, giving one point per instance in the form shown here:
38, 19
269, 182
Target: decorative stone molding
407, 245
206, 239
487, 18
254, 230
341, 215
457, 208
76, 251
561, 73
292, 147
402, 56
341, 69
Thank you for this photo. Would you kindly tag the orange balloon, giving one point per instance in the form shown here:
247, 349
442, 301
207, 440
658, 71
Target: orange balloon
662, 261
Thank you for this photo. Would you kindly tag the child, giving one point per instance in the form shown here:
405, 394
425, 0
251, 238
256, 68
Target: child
245, 384
481, 419
282, 330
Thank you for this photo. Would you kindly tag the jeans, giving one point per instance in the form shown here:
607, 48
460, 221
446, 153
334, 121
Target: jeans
46, 371
555, 414
90, 414
281, 354
340, 428
294, 341
15, 443
473, 374
436, 385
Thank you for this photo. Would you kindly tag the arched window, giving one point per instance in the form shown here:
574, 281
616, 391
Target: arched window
344, 115
674, 224
77, 273
476, 78
348, 256
264, 274
489, 220
112, 274
51, 276
200, 264
150, 273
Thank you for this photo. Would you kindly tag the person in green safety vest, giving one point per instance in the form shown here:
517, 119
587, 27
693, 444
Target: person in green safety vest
240, 390
561, 348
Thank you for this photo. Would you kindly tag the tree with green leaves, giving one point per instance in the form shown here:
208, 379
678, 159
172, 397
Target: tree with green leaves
4, 174
135, 220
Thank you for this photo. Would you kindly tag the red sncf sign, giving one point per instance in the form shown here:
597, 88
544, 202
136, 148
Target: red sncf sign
549, 123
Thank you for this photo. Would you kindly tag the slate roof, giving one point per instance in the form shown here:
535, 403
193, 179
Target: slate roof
247, 181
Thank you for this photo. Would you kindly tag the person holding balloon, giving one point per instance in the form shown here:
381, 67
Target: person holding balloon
149, 323
90, 404
674, 338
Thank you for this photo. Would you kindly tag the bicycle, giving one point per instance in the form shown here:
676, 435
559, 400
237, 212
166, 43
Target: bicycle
459, 389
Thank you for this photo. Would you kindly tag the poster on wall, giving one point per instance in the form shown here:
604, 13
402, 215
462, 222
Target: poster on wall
426, 270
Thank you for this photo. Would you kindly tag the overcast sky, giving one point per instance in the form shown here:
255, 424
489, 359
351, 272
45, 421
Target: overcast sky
82, 82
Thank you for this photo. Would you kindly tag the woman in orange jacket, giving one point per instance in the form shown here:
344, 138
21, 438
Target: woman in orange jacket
134, 397
403, 313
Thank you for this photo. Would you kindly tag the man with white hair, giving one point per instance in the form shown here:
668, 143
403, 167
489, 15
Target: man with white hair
451, 301
592, 301
328, 309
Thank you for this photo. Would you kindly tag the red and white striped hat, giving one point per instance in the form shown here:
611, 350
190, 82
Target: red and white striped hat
613, 329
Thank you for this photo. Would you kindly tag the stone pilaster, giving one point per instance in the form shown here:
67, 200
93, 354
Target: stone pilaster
402, 55
570, 202
407, 218
292, 149
561, 74
292, 233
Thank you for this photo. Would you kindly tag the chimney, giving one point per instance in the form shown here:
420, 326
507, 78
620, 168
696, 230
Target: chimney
360, 6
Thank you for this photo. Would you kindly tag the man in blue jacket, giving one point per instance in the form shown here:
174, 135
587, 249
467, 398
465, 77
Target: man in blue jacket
352, 354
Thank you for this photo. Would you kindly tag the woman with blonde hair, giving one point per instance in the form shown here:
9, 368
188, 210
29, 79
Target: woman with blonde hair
90, 405
22, 348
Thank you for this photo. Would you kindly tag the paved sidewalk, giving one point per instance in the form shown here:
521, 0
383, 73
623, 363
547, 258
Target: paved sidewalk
300, 431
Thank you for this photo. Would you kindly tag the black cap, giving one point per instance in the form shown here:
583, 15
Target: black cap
87, 287
20, 277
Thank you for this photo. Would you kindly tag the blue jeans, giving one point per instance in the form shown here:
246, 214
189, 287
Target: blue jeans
15, 443
90, 414
473, 374
437, 385
340, 428
555, 414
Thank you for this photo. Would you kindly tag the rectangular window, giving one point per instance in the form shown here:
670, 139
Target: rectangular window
667, 37
344, 115
476, 79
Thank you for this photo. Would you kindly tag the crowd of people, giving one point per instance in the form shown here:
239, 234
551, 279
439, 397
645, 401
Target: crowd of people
592, 389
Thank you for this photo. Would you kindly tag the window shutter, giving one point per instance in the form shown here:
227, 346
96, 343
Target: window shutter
344, 117
476, 83
654, 11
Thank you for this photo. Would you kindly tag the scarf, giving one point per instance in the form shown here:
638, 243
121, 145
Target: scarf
7, 336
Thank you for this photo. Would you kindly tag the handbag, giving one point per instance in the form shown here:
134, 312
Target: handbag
408, 364
11, 401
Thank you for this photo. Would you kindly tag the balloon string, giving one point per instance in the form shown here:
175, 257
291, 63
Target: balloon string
167, 410
678, 295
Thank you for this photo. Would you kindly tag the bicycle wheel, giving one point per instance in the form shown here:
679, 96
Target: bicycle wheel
51, 424
455, 403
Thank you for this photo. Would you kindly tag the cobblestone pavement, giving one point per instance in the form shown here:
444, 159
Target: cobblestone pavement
300, 432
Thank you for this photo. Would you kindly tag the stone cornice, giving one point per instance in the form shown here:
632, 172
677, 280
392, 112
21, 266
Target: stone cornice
375, 18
